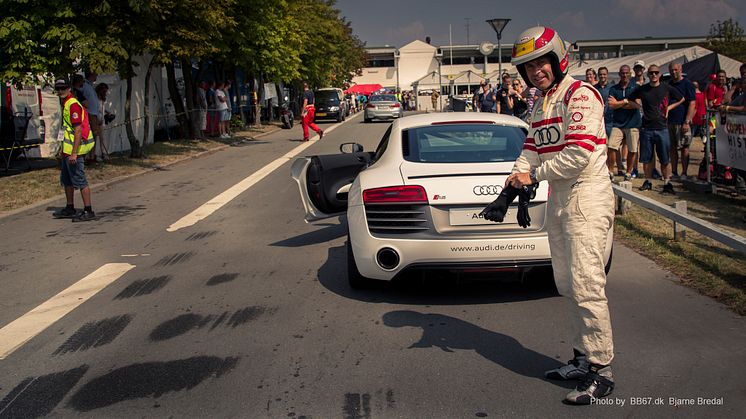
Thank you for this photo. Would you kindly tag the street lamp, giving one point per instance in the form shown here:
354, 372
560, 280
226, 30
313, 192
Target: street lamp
439, 57
396, 64
498, 25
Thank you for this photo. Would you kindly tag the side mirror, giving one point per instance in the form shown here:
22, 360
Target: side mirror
348, 148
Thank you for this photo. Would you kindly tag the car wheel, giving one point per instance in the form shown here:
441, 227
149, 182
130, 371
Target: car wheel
354, 278
542, 279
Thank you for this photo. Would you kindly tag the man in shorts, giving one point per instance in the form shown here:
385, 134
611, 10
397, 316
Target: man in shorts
77, 142
656, 101
626, 123
680, 121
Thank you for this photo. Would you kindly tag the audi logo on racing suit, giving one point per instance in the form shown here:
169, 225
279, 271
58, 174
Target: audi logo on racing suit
487, 190
546, 136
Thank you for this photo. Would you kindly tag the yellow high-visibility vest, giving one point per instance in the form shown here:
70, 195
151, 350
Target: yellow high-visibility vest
86, 139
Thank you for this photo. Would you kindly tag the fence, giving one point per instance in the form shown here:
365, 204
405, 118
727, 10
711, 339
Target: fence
678, 215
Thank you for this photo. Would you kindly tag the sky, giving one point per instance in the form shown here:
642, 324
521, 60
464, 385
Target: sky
398, 22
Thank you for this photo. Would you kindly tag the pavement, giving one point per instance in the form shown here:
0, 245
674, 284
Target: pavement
246, 312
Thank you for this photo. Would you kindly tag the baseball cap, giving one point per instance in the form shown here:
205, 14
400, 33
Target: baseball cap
61, 84
640, 63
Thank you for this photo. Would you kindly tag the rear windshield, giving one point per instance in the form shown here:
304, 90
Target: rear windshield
462, 143
326, 96
383, 98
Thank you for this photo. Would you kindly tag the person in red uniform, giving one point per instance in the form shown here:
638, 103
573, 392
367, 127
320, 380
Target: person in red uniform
308, 112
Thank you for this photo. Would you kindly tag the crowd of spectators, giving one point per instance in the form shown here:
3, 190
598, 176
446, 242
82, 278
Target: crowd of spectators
214, 108
510, 97
653, 122
93, 96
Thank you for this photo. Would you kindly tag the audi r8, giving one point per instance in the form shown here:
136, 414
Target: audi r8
415, 202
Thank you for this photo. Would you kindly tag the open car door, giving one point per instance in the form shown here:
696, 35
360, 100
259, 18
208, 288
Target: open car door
324, 181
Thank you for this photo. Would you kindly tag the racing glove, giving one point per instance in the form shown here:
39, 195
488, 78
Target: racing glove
497, 209
524, 196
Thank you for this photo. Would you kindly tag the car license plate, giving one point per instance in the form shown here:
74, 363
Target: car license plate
470, 217
321, 114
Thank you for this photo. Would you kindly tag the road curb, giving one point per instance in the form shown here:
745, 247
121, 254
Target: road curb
119, 179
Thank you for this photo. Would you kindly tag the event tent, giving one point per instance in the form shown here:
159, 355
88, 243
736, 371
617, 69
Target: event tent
364, 89
661, 58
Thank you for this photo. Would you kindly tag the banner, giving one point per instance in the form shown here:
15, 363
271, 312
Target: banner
731, 141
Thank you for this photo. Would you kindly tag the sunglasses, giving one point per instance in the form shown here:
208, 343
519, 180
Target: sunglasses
654, 73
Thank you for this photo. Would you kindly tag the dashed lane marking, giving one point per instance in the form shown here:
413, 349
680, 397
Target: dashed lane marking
23, 329
229, 194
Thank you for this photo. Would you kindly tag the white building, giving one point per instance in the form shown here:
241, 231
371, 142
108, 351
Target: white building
458, 69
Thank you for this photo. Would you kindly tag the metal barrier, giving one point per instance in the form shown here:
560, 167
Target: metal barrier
678, 215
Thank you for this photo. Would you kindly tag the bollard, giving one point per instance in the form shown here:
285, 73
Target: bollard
679, 231
622, 205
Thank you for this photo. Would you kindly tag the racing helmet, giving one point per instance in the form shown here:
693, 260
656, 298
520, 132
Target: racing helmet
536, 42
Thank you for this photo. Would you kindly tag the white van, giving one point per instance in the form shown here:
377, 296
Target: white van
17, 105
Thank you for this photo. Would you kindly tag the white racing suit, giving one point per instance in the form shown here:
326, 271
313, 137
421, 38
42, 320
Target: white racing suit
567, 146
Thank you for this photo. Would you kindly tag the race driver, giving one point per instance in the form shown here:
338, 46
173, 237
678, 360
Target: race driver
566, 146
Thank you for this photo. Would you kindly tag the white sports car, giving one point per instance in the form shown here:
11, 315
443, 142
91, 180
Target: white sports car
414, 203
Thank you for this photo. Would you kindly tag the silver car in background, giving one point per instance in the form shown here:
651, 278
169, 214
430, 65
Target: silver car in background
383, 107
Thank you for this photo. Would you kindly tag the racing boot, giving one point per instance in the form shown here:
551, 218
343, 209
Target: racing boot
597, 383
576, 368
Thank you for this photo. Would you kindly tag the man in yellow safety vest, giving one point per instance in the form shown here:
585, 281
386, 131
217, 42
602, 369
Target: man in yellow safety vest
77, 142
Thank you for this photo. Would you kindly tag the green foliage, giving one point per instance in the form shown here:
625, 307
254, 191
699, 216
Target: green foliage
265, 40
283, 40
330, 53
37, 38
727, 38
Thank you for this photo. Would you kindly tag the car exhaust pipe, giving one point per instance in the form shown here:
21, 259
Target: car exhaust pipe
387, 258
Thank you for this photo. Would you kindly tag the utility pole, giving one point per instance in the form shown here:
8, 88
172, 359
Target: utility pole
467, 19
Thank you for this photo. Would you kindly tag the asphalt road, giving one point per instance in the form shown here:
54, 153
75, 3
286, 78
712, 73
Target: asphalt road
247, 313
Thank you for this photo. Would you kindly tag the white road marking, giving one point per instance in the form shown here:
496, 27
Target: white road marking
229, 194
21, 330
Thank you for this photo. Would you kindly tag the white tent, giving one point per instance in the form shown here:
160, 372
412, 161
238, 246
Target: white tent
660, 58
115, 135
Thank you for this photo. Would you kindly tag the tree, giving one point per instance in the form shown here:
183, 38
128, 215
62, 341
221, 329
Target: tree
167, 30
266, 41
331, 54
286, 41
727, 38
38, 38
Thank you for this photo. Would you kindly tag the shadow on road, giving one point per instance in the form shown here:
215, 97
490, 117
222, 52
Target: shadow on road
328, 233
431, 288
450, 334
150, 379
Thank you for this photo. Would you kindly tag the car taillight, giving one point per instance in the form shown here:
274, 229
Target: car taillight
38, 95
370, 105
396, 105
395, 194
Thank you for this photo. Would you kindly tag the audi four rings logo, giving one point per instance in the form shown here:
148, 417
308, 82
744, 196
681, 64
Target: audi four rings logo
487, 190
546, 136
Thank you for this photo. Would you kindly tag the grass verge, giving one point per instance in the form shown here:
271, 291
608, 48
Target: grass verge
702, 264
